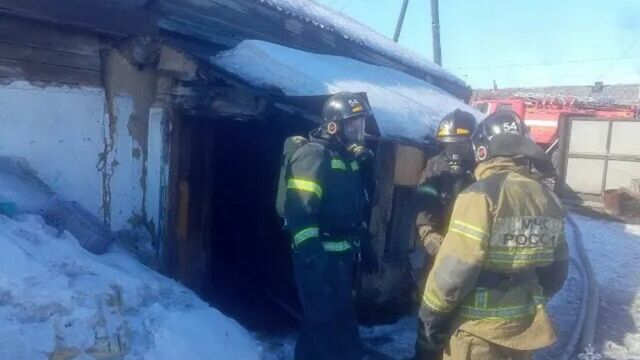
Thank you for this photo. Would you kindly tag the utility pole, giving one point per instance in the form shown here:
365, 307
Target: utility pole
403, 12
435, 30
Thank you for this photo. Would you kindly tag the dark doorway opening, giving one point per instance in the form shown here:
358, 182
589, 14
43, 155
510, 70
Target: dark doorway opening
229, 243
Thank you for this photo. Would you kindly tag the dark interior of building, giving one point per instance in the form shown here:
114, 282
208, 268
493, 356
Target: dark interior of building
235, 252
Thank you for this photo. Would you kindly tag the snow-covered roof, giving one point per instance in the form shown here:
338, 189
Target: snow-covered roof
300, 24
405, 107
353, 30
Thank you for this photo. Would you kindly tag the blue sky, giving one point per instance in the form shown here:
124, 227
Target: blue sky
518, 42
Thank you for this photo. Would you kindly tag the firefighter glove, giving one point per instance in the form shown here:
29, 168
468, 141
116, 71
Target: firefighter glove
432, 242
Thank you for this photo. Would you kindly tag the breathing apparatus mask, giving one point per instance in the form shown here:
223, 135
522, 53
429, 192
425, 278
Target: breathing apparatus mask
344, 118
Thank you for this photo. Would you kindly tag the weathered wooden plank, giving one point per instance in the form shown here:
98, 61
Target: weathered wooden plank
21, 70
410, 162
27, 53
218, 101
46, 36
91, 15
403, 228
383, 198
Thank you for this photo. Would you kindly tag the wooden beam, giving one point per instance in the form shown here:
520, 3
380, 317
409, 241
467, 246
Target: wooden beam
20, 70
30, 54
89, 15
218, 101
46, 36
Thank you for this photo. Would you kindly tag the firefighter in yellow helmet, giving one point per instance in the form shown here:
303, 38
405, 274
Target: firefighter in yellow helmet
503, 257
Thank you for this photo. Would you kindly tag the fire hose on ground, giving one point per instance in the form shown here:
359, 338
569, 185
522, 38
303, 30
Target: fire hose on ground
584, 331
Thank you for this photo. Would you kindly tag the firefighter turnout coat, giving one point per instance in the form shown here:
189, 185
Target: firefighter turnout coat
324, 208
504, 255
443, 186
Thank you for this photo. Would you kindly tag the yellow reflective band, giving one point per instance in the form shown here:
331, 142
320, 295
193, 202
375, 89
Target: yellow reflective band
469, 226
355, 166
522, 251
521, 262
465, 234
510, 312
304, 235
435, 303
445, 132
482, 297
521, 256
336, 246
338, 164
305, 185
468, 230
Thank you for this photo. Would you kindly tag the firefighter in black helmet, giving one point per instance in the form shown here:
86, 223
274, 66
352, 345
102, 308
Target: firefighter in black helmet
444, 177
324, 212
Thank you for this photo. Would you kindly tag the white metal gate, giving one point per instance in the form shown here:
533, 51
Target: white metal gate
600, 154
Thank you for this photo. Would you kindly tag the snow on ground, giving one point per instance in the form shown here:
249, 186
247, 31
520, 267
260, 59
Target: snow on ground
397, 340
614, 250
564, 306
57, 301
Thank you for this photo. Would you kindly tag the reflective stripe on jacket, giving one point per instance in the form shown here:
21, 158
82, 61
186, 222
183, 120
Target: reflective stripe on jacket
325, 199
507, 223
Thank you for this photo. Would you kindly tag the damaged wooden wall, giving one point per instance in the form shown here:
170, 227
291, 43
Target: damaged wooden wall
89, 117
393, 227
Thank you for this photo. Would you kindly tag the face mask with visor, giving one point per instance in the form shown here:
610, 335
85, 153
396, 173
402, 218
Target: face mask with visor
353, 129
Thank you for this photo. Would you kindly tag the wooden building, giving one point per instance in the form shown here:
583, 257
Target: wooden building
118, 105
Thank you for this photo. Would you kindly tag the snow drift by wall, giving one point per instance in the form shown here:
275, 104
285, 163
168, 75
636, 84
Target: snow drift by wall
58, 299
63, 133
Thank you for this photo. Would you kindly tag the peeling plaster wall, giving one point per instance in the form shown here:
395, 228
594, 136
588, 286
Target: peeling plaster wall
130, 92
127, 168
83, 150
59, 130
103, 147
157, 169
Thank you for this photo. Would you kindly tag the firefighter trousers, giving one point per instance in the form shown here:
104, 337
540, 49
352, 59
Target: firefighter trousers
329, 330
464, 346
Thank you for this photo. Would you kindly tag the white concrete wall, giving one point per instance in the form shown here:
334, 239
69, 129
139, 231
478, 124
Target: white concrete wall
62, 132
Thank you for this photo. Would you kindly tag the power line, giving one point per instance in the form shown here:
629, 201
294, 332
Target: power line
550, 63
633, 44
345, 5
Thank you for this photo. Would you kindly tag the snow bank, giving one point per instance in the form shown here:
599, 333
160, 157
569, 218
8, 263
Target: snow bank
614, 250
59, 301
404, 106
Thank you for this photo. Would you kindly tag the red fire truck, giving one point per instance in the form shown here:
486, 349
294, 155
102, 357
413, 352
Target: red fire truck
543, 114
